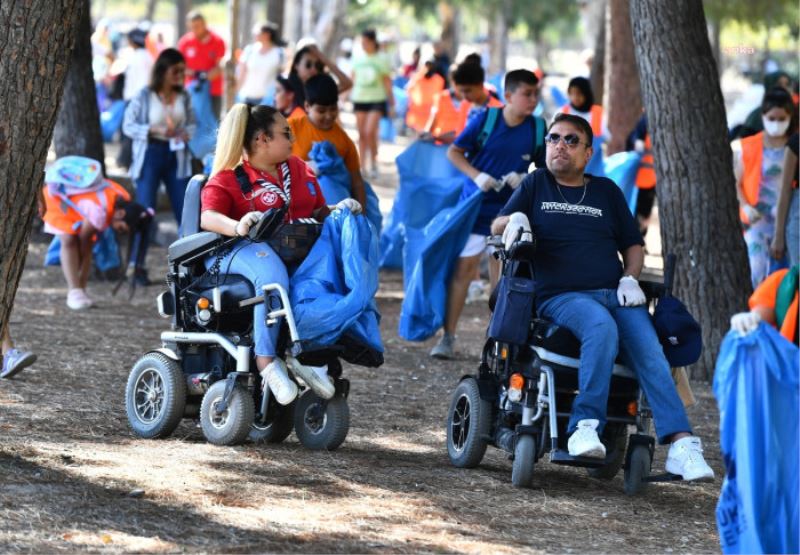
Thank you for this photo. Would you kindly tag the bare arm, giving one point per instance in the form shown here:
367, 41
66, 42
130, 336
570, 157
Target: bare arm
241, 75
345, 83
211, 220
779, 239
499, 225
456, 156
387, 85
633, 261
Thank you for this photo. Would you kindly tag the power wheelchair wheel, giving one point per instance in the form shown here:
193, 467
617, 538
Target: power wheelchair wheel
524, 460
637, 470
155, 396
468, 425
279, 424
232, 425
615, 443
321, 424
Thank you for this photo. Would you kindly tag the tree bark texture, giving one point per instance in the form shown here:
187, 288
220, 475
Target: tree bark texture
35, 42
698, 211
623, 99
77, 130
598, 70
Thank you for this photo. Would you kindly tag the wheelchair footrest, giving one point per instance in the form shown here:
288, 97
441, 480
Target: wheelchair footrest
666, 477
561, 456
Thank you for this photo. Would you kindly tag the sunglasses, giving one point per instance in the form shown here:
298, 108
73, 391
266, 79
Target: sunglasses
319, 65
570, 140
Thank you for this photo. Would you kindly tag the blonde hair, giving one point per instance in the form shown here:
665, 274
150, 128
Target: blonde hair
230, 139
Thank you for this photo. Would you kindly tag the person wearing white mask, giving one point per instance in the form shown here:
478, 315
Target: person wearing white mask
758, 165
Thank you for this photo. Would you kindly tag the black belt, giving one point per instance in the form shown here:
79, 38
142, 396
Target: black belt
153, 140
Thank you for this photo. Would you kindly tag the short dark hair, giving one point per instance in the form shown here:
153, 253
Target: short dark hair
370, 35
168, 58
576, 121
469, 73
777, 97
322, 90
194, 15
519, 77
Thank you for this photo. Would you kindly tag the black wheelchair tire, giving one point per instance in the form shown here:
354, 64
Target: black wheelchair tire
233, 426
165, 375
276, 430
328, 434
468, 425
637, 470
615, 445
524, 460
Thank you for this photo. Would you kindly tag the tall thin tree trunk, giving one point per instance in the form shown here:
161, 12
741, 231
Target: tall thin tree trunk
182, 9
449, 35
330, 26
498, 38
230, 66
150, 12
31, 85
292, 22
598, 70
77, 128
275, 10
698, 210
623, 99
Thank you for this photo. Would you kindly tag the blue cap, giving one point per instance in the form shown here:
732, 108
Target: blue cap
679, 333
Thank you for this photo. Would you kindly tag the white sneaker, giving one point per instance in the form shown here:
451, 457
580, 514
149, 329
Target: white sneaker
584, 441
77, 299
685, 459
278, 381
315, 377
476, 292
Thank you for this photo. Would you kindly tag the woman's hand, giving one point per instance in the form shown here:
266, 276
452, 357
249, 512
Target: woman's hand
351, 204
248, 220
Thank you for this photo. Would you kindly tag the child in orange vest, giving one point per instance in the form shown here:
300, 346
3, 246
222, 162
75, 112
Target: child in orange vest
422, 90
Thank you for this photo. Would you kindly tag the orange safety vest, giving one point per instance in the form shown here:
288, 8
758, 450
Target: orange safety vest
646, 177
752, 159
766, 295
449, 118
422, 92
595, 118
63, 217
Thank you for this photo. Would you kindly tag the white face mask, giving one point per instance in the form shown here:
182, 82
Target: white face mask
775, 128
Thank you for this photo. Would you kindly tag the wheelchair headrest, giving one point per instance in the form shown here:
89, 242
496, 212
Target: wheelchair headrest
190, 220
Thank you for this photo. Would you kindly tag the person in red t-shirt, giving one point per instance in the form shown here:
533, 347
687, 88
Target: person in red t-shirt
204, 51
260, 139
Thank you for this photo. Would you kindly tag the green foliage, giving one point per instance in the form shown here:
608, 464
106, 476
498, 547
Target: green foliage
753, 13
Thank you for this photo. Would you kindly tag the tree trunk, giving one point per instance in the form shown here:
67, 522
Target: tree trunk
714, 31
331, 26
598, 70
77, 128
698, 210
623, 99
448, 14
498, 38
150, 12
292, 22
275, 13
246, 22
31, 83
230, 65
182, 9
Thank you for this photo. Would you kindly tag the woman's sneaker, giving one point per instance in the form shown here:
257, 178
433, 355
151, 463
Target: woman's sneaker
685, 459
279, 382
14, 361
77, 299
584, 441
444, 348
315, 377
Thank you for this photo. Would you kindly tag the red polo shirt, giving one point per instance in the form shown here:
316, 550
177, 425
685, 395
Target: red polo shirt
223, 194
203, 55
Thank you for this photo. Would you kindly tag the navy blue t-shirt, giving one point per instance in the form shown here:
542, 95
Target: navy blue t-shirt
508, 149
577, 244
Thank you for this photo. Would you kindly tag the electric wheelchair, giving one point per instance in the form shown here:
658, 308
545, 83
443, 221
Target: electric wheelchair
520, 400
205, 367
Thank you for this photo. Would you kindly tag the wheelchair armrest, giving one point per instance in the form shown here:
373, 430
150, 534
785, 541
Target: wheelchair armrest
188, 248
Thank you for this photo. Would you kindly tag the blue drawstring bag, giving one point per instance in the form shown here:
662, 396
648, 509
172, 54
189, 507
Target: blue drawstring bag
622, 168
332, 292
334, 180
756, 386
438, 247
204, 139
105, 253
429, 183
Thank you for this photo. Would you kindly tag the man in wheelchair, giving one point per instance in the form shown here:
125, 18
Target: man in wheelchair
581, 223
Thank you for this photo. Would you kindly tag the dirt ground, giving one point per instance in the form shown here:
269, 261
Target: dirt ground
73, 477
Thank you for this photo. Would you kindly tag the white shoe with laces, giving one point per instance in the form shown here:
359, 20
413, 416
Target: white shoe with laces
279, 382
584, 441
315, 377
77, 299
685, 459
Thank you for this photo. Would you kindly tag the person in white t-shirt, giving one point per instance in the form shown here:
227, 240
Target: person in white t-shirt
259, 65
139, 65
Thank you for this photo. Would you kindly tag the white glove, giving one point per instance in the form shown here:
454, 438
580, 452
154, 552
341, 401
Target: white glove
745, 322
638, 145
752, 214
629, 293
484, 181
313, 166
516, 221
512, 179
351, 204
248, 220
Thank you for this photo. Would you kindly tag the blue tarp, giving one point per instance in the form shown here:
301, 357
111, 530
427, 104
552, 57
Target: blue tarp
111, 120
756, 386
105, 253
429, 183
332, 292
622, 168
205, 136
334, 180
437, 248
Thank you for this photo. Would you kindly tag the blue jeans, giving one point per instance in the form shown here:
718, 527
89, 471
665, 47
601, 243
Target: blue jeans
259, 264
604, 329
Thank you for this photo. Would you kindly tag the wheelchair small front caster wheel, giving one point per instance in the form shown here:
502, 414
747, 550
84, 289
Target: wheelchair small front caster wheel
468, 423
278, 426
522, 471
321, 424
155, 396
637, 470
228, 425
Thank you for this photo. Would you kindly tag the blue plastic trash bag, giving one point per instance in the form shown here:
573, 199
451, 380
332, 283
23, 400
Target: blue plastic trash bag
332, 292
429, 183
204, 139
400, 102
595, 165
386, 130
334, 180
111, 120
105, 253
621, 168
559, 98
756, 386
424, 305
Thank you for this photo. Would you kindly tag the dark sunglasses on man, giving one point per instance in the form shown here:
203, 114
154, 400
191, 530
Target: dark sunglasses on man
571, 140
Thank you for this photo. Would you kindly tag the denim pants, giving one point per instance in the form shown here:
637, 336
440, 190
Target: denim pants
793, 229
259, 264
605, 329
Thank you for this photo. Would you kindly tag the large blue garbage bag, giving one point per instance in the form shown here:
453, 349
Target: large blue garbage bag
595, 165
111, 120
332, 292
423, 309
756, 386
621, 168
559, 98
429, 183
105, 253
334, 180
205, 136
400, 102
